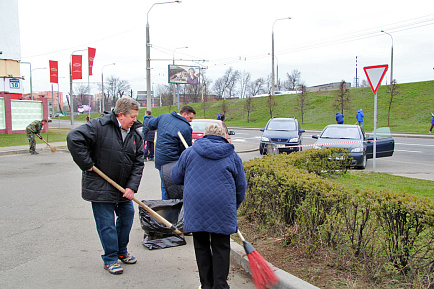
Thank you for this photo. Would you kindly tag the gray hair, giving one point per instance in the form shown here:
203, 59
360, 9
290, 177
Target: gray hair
214, 129
125, 105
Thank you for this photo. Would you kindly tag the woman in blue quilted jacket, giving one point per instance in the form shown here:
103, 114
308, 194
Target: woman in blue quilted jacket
214, 187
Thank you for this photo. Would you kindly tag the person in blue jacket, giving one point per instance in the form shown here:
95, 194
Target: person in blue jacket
168, 146
432, 123
339, 118
360, 117
214, 187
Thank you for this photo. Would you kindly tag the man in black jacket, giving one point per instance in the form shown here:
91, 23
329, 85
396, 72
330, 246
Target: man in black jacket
113, 143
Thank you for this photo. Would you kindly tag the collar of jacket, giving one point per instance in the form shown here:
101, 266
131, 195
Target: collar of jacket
111, 118
177, 115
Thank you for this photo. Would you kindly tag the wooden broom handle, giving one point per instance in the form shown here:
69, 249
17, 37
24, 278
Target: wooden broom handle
154, 214
182, 139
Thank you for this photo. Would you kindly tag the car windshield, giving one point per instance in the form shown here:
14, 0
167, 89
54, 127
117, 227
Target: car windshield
341, 133
281, 125
200, 125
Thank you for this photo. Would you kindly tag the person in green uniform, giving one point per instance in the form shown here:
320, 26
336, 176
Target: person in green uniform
34, 128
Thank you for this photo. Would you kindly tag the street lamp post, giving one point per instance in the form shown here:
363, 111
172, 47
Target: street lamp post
148, 57
31, 80
71, 98
272, 53
391, 57
173, 85
102, 85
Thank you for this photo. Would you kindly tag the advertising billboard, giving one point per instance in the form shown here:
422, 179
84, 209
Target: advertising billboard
184, 74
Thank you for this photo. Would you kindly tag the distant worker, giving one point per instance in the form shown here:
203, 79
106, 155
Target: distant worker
432, 123
223, 117
148, 136
339, 118
360, 117
33, 129
219, 116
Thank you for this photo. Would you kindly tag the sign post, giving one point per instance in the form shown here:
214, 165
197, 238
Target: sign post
375, 75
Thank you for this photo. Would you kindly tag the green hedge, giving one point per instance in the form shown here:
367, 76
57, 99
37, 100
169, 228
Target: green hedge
383, 231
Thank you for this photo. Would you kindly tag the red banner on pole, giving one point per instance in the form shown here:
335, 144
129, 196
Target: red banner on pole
90, 56
54, 75
76, 66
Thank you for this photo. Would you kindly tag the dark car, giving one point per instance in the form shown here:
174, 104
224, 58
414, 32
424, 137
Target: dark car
352, 138
281, 134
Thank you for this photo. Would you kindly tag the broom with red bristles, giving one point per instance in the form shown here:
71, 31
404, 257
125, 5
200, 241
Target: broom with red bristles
262, 274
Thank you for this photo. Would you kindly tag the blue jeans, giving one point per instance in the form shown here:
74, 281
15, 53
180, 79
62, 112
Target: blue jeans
163, 189
114, 236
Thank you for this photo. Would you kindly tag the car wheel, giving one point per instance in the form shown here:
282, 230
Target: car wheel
261, 149
362, 166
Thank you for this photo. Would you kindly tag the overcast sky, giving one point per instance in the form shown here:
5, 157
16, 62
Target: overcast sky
321, 40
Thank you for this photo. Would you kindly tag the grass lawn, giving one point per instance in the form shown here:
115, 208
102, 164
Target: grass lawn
370, 180
16, 139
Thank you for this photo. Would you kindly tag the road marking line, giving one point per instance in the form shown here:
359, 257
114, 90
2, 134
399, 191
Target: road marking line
407, 151
414, 144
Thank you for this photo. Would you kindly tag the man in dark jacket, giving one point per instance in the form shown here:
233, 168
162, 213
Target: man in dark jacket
214, 187
148, 136
169, 147
113, 143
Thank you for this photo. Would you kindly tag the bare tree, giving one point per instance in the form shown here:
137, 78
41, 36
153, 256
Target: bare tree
293, 80
244, 81
271, 104
219, 88
393, 90
226, 84
256, 87
249, 107
302, 101
116, 88
224, 107
164, 92
81, 95
342, 98
205, 84
364, 83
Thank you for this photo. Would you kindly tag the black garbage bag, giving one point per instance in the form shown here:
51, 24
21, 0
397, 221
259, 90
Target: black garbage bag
173, 191
157, 235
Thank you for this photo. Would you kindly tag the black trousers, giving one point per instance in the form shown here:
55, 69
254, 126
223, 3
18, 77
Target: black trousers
213, 259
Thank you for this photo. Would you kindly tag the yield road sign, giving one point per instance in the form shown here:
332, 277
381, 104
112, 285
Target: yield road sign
375, 75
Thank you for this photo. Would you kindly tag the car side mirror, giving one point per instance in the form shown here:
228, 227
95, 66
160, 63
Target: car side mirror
301, 130
262, 129
231, 132
315, 136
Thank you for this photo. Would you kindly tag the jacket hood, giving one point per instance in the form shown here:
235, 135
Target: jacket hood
213, 147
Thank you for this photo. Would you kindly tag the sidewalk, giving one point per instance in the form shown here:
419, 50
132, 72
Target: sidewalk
238, 256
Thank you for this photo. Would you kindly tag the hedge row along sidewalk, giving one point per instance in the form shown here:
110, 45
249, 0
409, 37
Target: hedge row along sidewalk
383, 234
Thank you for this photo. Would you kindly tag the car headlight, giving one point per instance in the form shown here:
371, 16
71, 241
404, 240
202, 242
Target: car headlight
265, 138
295, 139
357, 150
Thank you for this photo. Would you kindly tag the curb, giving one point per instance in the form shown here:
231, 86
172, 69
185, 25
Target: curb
286, 280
